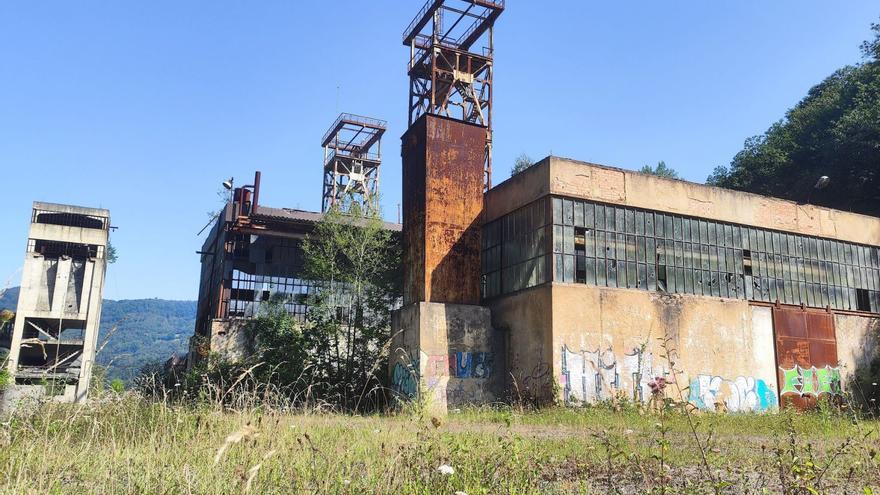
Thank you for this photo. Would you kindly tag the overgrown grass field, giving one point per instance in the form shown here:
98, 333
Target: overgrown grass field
125, 444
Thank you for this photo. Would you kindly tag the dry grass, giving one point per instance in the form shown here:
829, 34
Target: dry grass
128, 445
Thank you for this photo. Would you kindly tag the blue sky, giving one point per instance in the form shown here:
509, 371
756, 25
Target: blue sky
145, 107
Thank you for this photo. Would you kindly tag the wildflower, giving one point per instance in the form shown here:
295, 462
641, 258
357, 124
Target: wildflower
445, 469
346, 482
459, 493
658, 385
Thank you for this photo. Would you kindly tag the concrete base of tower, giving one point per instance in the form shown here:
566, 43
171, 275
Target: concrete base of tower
446, 356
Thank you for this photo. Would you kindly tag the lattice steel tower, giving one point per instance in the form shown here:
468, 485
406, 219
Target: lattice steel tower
352, 155
450, 66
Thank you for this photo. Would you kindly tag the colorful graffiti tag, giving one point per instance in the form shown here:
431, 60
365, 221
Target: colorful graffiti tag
471, 364
405, 378
811, 381
590, 376
743, 394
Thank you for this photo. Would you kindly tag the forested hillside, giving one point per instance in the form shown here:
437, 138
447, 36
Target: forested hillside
148, 330
834, 131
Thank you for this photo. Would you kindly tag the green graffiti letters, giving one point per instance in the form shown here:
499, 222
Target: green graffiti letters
791, 380
811, 381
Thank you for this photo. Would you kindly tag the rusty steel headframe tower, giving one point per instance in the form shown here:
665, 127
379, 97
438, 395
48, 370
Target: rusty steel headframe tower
450, 66
352, 155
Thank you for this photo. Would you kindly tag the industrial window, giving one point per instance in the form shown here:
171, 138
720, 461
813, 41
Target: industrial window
69, 219
56, 249
515, 247
615, 246
248, 292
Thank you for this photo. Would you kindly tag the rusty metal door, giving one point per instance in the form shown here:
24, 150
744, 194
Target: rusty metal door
806, 356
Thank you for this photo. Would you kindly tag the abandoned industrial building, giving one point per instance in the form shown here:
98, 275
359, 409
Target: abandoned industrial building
569, 281
253, 252
59, 307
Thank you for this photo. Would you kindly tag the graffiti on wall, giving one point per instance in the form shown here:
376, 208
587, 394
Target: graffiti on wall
471, 364
590, 376
811, 381
405, 378
640, 367
743, 394
471, 369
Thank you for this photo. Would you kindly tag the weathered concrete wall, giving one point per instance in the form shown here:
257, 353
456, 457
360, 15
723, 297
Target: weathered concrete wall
858, 343
231, 338
525, 319
65, 290
453, 347
609, 342
565, 177
21, 399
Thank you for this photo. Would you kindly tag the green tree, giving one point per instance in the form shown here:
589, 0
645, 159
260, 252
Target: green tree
339, 354
358, 261
833, 131
522, 162
661, 170
112, 255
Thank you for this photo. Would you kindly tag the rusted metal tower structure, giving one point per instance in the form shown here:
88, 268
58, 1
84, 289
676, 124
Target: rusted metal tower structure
450, 66
352, 155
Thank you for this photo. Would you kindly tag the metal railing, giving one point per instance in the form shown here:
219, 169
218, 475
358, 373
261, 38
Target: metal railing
430, 3
333, 153
354, 119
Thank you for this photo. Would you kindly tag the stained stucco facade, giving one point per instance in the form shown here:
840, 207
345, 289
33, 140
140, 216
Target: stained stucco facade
586, 342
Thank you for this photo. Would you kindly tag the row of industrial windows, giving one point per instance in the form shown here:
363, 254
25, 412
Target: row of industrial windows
614, 246
248, 293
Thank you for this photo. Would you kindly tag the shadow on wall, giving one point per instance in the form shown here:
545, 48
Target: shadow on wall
864, 383
456, 278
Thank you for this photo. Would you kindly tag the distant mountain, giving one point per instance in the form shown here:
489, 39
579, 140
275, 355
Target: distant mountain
147, 330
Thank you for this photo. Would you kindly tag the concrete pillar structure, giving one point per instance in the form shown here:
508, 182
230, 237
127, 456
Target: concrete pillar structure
55, 334
444, 344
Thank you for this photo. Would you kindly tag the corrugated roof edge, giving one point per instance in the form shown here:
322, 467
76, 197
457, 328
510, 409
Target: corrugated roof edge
303, 216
